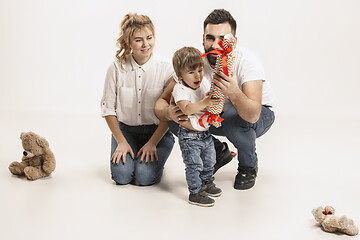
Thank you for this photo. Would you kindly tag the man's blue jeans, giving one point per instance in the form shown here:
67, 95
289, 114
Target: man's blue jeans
199, 156
241, 134
143, 173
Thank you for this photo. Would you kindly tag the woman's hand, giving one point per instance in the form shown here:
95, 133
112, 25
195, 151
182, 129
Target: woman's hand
120, 152
148, 151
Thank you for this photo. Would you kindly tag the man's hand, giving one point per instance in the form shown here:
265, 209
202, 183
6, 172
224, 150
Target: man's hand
228, 85
247, 100
175, 113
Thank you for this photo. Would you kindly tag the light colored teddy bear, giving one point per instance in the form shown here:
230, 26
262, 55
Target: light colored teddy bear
38, 160
331, 223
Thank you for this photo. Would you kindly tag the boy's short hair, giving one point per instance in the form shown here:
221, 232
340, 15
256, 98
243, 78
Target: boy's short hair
187, 58
219, 16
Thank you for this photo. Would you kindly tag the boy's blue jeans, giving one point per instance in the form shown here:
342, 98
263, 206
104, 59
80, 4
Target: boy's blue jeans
199, 156
143, 173
240, 133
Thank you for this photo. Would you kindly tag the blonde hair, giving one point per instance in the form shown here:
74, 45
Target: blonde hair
128, 26
187, 58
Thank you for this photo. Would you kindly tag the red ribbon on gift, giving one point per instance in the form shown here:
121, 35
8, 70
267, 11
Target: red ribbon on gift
212, 118
225, 51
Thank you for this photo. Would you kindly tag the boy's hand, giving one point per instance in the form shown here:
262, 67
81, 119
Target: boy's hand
210, 101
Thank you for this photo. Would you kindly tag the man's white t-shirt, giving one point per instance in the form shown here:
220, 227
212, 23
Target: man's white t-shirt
248, 68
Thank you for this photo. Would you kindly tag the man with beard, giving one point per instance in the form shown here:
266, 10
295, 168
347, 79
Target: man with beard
247, 110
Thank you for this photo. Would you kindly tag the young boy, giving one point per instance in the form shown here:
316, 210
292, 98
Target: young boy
196, 144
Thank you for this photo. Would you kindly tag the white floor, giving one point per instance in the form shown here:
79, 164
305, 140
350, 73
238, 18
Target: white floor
303, 163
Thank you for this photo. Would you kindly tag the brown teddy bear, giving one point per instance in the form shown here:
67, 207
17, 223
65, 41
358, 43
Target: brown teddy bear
331, 223
38, 160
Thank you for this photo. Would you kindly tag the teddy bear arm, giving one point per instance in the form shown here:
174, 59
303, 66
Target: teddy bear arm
332, 221
331, 224
343, 222
329, 228
49, 162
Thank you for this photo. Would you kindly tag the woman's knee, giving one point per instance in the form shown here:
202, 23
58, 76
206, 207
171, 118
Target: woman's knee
121, 173
146, 175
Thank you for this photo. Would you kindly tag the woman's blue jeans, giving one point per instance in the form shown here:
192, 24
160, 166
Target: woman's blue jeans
134, 171
240, 133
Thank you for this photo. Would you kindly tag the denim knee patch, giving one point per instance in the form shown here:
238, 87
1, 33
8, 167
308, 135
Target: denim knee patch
121, 174
147, 173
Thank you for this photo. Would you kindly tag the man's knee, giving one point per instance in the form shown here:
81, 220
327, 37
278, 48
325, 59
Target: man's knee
232, 120
173, 126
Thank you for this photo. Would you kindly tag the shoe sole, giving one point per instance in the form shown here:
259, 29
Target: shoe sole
244, 187
214, 195
201, 204
226, 161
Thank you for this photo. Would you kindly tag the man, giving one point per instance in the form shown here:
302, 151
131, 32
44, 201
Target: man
247, 111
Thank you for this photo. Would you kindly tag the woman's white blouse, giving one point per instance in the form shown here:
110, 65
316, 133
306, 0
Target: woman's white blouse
130, 94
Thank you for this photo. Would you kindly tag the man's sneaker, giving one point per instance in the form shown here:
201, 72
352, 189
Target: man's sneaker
223, 158
245, 179
211, 189
201, 199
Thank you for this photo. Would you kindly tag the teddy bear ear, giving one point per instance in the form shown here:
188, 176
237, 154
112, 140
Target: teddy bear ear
329, 209
42, 142
22, 135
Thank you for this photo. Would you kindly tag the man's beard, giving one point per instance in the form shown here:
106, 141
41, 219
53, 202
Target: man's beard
211, 58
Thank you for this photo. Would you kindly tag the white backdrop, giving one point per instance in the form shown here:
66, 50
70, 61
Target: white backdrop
54, 54
53, 59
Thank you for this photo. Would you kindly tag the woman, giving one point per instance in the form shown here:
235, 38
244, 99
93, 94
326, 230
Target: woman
140, 144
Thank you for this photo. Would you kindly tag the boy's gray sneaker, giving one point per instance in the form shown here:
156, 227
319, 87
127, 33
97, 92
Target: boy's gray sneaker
201, 199
210, 188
